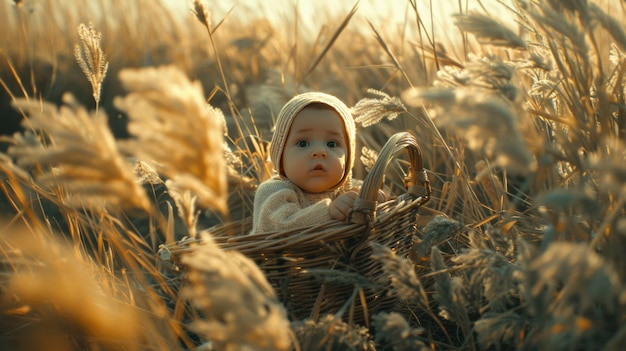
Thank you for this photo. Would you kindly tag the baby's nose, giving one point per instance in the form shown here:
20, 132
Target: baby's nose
318, 152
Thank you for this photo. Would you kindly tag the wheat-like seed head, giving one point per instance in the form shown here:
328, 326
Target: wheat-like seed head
489, 31
146, 174
81, 157
238, 306
90, 58
369, 111
450, 292
438, 230
201, 11
406, 284
491, 280
571, 291
393, 329
331, 333
186, 207
368, 157
501, 331
176, 131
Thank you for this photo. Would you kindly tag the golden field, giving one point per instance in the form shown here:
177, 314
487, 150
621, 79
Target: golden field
132, 130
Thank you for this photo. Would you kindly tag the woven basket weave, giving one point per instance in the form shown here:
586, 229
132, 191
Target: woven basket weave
288, 258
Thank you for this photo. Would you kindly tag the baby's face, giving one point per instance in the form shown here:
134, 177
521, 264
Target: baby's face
314, 157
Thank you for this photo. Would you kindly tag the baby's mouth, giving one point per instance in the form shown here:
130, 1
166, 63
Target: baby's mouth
318, 168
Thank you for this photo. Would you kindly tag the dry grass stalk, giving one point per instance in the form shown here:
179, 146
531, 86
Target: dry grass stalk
91, 59
239, 310
82, 157
176, 131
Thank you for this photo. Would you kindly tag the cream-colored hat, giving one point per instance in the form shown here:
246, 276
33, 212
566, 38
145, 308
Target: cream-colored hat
289, 112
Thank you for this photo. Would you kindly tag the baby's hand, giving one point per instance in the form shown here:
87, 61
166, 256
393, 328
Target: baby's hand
340, 207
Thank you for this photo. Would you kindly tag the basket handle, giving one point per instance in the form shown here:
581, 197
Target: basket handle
416, 182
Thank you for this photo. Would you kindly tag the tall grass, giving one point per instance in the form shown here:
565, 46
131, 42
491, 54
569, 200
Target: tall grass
521, 123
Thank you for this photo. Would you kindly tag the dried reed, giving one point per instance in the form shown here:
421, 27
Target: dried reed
76, 152
91, 59
176, 132
238, 308
554, 88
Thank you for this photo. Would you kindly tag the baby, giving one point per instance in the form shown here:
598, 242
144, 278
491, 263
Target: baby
313, 151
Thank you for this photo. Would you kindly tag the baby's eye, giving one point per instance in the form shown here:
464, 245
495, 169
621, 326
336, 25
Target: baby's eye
332, 144
302, 143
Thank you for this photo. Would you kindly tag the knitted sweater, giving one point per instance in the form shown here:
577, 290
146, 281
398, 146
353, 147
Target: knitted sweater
279, 204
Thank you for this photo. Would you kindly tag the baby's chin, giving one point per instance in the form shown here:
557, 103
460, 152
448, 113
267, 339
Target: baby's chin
313, 189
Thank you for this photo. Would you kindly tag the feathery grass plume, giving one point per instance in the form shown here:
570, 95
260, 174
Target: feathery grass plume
574, 297
488, 74
201, 11
488, 30
545, 88
238, 307
9, 169
369, 111
54, 298
176, 131
548, 18
91, 59
332, 334
491, 280
368, 157
404, 280
449, 293
500, 242
146, 174
481, 119
438, 230
82, 157
501, 331
395, 332
569, 213
186, 207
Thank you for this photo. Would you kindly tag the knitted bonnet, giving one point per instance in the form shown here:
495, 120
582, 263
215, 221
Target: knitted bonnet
289, 112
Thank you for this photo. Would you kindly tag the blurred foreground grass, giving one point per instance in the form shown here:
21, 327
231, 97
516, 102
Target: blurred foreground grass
521, 119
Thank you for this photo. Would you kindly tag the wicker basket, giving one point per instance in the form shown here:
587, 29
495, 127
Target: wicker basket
288, 257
